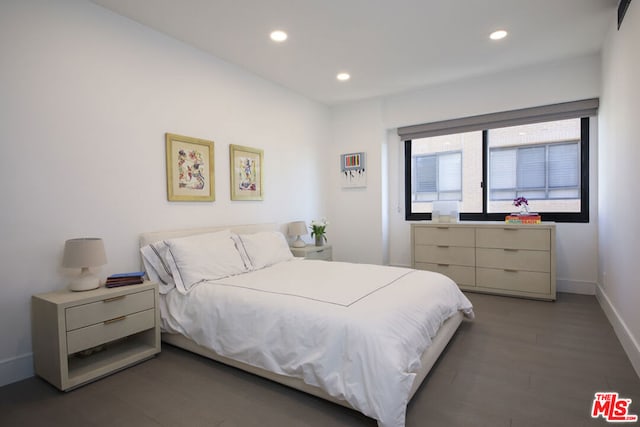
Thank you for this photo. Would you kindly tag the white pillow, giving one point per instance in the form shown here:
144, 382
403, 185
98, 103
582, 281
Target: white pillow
155, 258
243, 253
266, 248
202, 257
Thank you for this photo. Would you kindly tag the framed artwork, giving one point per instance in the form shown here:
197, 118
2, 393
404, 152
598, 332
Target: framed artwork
352, 170
190, 174
246, 166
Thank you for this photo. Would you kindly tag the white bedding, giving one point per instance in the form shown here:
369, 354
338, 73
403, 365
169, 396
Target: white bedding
356, 331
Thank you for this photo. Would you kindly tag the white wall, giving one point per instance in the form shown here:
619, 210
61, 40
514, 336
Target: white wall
619, 252
356, 229
358, 127
86, 97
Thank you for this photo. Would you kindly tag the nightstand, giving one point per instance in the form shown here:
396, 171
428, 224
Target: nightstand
79, 337
313, 252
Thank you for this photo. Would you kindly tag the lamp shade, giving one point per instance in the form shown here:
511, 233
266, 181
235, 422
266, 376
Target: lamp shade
83, 253
297, 228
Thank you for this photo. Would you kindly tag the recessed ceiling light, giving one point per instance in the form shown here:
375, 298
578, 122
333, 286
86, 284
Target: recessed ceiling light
497, 35
278, 36
343, 77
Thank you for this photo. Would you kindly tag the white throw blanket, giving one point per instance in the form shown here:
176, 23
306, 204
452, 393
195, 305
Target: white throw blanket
356, 331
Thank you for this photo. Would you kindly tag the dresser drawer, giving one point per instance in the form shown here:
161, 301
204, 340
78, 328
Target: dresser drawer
96, 312
460, 274
513, 238
109, 330
445, 255
514, 259
523, 281
444, 235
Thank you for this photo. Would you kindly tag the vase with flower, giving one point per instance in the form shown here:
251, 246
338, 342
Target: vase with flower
318, 230
523, 204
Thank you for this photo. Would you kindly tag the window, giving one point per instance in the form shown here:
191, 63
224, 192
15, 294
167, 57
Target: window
537, 173
437, 177
539, 161
544, 159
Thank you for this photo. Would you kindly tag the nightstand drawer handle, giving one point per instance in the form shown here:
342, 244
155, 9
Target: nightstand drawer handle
117, 319
509, 270
114, 298
443, 265
510, 250
442, 246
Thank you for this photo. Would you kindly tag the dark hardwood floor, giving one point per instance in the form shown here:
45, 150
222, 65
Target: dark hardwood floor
520, 363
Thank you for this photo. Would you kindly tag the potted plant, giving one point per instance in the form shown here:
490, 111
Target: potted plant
523, 204
318, 230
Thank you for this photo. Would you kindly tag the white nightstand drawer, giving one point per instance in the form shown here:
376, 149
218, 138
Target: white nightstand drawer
314, 252
323, 254
96, 312
514, 259
109, 330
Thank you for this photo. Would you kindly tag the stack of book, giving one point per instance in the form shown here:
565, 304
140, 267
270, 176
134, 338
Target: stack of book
124, 279
515, 218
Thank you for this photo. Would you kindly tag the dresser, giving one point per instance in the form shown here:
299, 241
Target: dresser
492, 257
81, 336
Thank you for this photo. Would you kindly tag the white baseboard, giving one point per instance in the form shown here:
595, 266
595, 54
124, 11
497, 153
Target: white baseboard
628, 341
16, 369
576, 287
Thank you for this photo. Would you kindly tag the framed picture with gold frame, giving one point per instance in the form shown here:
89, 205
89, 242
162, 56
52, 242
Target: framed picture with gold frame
246, 166
190, 174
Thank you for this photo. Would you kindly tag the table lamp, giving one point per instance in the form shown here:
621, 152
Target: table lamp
298, 228
84, 253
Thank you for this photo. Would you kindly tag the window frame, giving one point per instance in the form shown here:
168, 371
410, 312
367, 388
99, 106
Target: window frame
575, 217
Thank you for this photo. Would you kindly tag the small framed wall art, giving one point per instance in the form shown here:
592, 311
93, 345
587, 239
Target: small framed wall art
246, 166
352, 170
190, 175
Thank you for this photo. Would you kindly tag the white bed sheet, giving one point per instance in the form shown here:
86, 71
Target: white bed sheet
356, 331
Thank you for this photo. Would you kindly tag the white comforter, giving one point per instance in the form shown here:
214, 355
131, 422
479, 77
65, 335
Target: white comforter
356, 331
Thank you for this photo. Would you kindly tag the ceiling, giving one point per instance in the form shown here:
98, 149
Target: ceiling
388, 46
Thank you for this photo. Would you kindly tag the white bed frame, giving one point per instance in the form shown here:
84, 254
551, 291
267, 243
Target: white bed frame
428, 358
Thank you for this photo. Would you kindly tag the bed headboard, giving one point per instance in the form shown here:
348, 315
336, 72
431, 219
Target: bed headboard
155, 236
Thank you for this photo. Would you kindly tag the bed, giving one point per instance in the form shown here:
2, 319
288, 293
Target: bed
362, 336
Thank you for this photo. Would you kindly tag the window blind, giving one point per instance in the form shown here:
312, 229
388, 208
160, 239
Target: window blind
565, 110
564, 168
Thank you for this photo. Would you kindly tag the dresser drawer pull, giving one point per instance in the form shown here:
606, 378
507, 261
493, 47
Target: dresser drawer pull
114, 298
442, 228
442, 246
443, 265
510, 250
117, 319
509, 270
510, 229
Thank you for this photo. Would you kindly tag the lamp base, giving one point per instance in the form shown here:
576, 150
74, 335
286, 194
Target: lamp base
85, 282
298, 243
